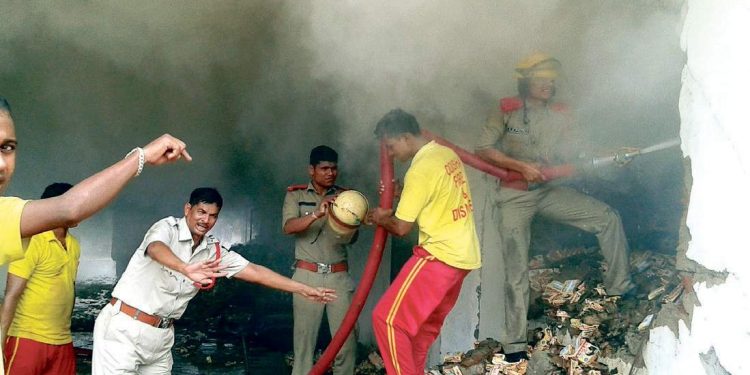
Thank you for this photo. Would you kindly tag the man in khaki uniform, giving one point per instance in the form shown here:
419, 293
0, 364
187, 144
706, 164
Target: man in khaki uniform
320, 261
134, 333
526, 133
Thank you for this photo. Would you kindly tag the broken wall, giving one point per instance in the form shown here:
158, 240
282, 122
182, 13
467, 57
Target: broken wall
715, 138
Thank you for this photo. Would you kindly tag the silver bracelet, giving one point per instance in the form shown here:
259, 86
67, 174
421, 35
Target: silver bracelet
141, 159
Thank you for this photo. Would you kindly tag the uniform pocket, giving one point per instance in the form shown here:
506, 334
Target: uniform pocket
170, 281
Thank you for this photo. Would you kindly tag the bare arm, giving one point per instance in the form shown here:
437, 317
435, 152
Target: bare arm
97, 191
14, 288
530, 172
258, 274
201, 272
300, 224
386, 219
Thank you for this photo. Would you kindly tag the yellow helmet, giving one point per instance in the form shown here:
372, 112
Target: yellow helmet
347, 211
538, 64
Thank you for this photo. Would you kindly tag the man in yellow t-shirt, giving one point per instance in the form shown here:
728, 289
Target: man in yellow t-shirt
39, 299
436, 196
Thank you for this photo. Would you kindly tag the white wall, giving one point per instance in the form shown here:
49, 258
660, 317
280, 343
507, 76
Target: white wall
715, 136
95, 236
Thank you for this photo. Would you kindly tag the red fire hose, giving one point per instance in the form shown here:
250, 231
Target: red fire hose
376, 251
550, 173
368, 277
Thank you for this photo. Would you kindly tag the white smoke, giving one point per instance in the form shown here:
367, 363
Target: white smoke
441, 58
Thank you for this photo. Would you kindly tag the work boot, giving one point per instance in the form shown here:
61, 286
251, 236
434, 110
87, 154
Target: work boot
516, 356
631, 294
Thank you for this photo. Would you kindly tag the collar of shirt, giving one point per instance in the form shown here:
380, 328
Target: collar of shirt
422, 150
331, 190
184, 235
49, 236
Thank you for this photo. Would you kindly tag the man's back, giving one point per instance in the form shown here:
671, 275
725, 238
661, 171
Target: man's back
436, 195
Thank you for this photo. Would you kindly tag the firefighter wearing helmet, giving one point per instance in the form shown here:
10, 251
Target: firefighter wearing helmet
525, 133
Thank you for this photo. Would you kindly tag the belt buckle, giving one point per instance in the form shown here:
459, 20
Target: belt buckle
323, 268
164, 323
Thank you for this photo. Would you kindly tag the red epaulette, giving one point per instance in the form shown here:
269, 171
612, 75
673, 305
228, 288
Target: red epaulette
510, 104
560, 107
296, 187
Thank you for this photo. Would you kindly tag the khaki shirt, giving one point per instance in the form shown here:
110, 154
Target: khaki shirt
319, 243
158, 290
551, 136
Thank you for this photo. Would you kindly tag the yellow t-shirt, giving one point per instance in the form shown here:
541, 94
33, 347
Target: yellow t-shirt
11, 245
436, 195
44, 310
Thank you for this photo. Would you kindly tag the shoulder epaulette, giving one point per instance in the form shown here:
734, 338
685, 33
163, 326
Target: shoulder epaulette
296, 187
510, 104
560, 107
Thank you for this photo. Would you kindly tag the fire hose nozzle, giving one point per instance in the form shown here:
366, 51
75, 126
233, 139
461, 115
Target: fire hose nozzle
622, 158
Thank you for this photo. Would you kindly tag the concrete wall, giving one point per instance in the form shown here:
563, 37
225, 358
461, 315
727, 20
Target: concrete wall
716, 138
95, 236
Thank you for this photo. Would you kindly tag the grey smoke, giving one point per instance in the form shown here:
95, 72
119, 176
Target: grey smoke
252, 86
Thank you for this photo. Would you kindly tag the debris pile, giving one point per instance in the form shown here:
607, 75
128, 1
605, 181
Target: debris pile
574, 325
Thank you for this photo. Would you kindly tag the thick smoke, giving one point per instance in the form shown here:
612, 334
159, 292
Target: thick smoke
224, 77
89, 81
452, 60
449, 63
253, 86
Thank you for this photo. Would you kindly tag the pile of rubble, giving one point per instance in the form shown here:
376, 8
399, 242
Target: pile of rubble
575, 327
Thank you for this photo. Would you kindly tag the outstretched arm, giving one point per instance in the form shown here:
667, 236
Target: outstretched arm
97, 191
200, 272
257, 274
14, 288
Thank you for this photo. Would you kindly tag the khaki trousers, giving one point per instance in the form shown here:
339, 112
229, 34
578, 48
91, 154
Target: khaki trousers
513, 211
123, 345
308, 316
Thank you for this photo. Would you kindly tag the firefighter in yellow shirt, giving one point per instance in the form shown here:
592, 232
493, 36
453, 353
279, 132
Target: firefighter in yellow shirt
436, 196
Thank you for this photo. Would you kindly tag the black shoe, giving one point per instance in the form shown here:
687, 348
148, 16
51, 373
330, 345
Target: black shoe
516, 356
630, 295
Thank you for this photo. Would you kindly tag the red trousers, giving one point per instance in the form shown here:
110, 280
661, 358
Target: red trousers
29, 357
409, 316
